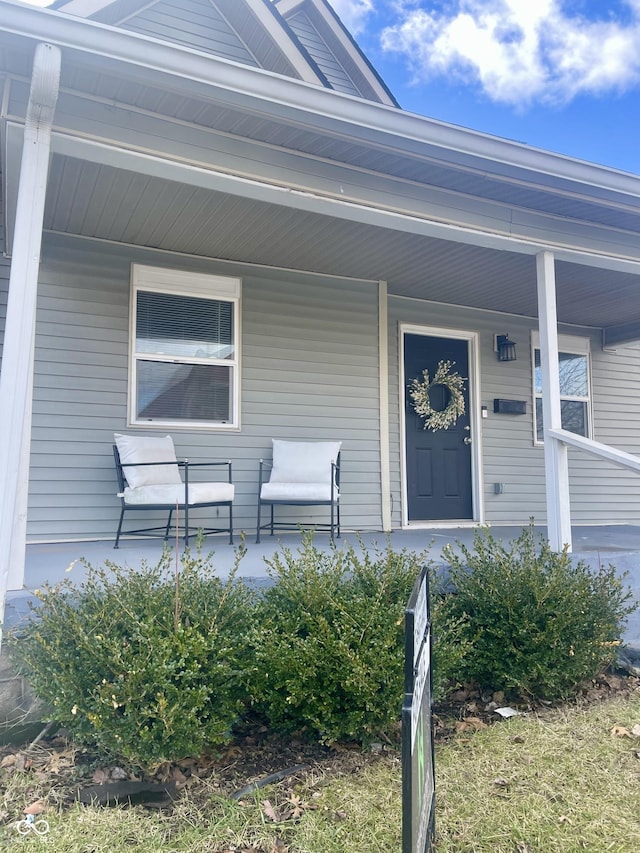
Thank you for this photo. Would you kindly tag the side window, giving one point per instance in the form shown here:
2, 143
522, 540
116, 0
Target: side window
575, 387
183, 349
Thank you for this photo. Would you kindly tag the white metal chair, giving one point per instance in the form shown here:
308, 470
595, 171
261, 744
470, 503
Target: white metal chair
149, 479
303, 473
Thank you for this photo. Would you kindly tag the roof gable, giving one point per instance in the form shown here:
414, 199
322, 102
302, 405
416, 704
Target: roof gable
303, 39
334, 50
246, 31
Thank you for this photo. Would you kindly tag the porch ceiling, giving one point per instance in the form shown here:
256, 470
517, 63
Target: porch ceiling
112, 204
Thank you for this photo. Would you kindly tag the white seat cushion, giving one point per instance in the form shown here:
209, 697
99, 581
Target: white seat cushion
134, 449
311, 492
199, 493
307, 462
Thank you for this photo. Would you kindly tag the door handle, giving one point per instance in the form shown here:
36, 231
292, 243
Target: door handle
467, 439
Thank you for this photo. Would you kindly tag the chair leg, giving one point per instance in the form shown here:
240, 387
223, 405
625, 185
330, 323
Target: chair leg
332, 523
119, 531
258, 522
272, 509
168, 527
230, 524
338, 515
186, 525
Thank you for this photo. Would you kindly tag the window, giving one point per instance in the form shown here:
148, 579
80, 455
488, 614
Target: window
574, 385
184, 349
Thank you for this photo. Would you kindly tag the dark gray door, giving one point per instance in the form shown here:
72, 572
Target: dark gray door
439, 484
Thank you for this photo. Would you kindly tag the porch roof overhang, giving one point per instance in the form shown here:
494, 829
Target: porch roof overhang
160, 146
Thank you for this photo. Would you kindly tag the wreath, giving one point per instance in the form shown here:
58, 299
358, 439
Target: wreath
419, 393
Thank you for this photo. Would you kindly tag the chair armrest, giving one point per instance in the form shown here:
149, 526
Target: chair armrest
146, 464
187, 465
263, 465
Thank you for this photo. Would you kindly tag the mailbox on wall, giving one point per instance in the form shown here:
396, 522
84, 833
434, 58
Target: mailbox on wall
509, 407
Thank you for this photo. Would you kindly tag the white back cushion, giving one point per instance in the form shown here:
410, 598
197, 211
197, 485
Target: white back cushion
303, 461
134, 449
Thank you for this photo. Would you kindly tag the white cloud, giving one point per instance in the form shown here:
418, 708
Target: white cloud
353, 13
520, 51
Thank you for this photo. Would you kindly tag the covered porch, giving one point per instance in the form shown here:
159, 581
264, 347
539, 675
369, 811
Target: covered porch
54, 562
348, 223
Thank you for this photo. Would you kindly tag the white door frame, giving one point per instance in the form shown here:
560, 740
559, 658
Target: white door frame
473, 340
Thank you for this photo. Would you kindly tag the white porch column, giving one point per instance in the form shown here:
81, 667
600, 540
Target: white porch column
16, 379
556, 463
383, 374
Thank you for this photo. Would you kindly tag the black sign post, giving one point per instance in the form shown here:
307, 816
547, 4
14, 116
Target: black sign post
418, 774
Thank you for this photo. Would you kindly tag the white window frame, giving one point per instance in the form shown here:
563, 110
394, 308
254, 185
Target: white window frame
573, 345
198, 285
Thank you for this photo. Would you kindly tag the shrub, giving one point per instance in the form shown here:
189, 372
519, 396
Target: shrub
537, 622
329, 641
145, 664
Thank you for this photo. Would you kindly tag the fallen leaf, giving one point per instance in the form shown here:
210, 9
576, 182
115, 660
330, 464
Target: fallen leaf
501, 782
620, 731
100, 775
118, 774
35, 808
470, 724
635, 731
8, 761
269, 811
523, 847
564, 819
179, 778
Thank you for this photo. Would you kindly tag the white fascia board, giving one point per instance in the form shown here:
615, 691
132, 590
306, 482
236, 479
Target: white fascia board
354, 52
301, 103
269, 20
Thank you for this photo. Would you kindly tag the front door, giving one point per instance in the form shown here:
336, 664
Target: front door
438, 462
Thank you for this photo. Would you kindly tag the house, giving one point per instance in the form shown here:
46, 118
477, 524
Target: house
218, 223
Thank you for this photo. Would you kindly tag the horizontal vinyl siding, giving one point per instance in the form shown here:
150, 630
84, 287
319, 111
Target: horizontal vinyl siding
192, 23
309, 371
601, 493
326, 60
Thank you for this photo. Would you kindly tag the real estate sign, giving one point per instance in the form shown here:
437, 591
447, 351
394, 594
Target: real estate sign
418, 777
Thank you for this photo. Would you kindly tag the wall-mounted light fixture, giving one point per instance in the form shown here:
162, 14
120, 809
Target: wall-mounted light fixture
505, 348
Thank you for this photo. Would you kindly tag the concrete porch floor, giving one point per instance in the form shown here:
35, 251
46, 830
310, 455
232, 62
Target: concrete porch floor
617, 544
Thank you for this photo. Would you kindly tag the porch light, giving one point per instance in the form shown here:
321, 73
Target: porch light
505, 348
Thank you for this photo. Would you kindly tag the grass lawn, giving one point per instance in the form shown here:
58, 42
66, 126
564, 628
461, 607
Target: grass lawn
567, 780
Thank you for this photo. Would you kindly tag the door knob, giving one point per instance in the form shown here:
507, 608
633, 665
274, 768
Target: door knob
467, 439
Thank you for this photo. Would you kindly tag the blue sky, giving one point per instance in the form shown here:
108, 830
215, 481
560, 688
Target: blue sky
563, 75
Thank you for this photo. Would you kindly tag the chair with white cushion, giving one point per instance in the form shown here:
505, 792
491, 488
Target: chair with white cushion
303, 473
149, 479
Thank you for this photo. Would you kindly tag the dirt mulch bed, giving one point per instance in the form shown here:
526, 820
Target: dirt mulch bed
63, 772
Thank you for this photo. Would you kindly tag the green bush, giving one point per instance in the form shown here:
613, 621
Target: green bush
329, 641
145, 664
536, 621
